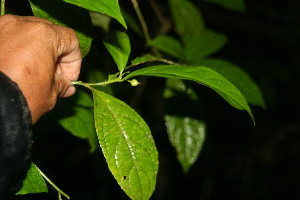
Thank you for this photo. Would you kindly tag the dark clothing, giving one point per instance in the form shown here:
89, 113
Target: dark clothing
15, 137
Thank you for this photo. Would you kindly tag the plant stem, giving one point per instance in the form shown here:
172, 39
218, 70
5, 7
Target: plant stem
2, 7
104, 83
142, 20
52, 184
153, 60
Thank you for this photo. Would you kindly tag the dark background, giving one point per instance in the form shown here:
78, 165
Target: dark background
238, 161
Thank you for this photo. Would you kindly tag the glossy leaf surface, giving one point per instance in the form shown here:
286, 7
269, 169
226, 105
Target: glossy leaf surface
239, 78
118, 45
202, 75
187, 135
34, 182
68, 15
127, 145
110, 8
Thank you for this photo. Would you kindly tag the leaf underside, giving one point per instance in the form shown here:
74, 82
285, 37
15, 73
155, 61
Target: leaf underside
110, 8
187, 136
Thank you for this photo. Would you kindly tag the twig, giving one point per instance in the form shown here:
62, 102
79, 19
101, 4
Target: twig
2, 7
53, 185
142, 20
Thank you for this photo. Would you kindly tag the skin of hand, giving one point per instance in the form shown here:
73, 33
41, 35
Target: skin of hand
42, 58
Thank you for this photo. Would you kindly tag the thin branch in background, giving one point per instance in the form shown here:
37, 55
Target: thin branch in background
144, 25
60, 192
142, 20
166, 24
2, 7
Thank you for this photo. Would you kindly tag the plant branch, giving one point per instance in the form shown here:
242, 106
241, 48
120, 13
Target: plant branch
60, 192
153, 60
2, 7
142, 20
104, 83
166, 24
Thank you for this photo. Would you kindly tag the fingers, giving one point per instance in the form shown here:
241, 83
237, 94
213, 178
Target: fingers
68, 60
69, 55
63, 86
41, 57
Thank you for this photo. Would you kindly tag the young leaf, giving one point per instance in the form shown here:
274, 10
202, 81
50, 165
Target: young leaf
127, 145
187, 18
202, 75
235, 5
110, 8
239, 78
75, 114
66, 15
168, 45
118, 45
187, 136
33, 183
205, 44
144, 59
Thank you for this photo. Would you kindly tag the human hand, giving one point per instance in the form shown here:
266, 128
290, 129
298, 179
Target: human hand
42, 58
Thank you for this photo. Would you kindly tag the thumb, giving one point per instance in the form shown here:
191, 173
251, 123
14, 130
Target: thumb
63, 86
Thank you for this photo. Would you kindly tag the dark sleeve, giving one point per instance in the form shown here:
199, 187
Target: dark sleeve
15, 137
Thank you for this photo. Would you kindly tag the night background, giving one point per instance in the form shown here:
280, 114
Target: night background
238, 160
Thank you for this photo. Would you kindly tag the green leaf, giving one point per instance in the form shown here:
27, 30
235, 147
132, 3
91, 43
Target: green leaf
168, 45
187, 18
239, 78
75, 114
205, 44
234, 5
110, 8
127, 145
187, 135
68, 15
118, 45
144, 59
33, 183
202, 75
132, 23
100, 20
